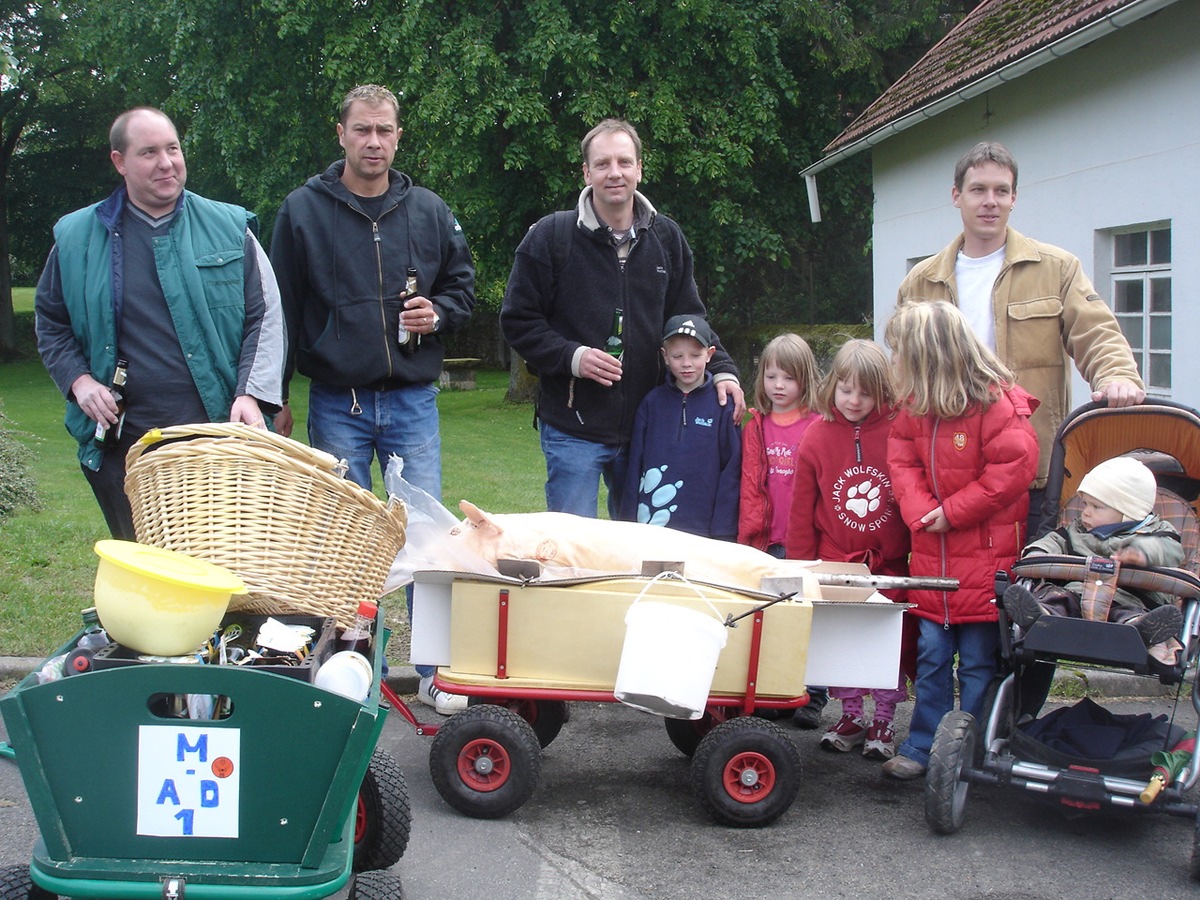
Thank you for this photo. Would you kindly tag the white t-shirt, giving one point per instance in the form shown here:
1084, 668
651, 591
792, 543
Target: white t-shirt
975, 279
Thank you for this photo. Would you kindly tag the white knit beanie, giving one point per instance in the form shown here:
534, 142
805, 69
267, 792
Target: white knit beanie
1123, 483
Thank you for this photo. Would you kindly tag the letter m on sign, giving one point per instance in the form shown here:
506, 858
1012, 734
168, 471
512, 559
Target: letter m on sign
182, 747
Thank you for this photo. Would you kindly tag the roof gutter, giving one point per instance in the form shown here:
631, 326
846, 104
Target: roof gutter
1067, 44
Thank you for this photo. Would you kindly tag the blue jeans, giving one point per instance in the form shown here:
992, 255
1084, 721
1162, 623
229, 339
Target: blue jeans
976, 644
574, 467
362, 424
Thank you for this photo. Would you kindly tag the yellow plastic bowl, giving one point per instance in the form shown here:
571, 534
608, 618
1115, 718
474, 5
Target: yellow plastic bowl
158, 601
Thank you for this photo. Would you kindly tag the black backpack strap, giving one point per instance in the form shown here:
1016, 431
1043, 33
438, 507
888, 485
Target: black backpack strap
561, 240
562, 235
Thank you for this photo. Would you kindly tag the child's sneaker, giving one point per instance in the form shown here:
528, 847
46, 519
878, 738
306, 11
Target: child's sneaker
1159, 624
881, 741
847, 734
1022, 607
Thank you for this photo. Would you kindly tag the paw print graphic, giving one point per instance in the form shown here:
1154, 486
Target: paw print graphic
658, 508
862, 498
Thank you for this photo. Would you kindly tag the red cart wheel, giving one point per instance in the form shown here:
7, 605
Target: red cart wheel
686, 734
484, 765
17, 884
749, 776
546, 717
376, 886
746, 772
383, 820
485, 761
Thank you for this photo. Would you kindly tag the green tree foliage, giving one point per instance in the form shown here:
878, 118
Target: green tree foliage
55, 108
732, 98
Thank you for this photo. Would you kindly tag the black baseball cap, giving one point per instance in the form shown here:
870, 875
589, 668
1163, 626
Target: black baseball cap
689, 326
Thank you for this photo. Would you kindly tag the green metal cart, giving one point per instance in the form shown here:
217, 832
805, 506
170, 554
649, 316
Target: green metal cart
267, 802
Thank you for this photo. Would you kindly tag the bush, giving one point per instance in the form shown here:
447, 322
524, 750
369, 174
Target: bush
745, 343
17, 486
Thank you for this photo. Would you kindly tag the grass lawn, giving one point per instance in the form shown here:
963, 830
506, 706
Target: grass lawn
490, 456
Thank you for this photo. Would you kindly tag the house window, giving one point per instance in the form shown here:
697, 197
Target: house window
1141, 292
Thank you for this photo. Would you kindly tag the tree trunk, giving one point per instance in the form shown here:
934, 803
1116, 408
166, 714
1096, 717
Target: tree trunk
522, 385
13, 127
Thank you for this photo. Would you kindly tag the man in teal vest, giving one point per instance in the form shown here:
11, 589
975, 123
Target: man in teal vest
175, 285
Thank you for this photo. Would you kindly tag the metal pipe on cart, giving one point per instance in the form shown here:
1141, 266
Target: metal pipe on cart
848, 579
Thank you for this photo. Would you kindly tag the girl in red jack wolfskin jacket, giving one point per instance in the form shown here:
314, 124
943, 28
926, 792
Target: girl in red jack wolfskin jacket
962, 456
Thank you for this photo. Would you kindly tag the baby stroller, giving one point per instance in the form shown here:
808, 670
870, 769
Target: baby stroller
1003, 749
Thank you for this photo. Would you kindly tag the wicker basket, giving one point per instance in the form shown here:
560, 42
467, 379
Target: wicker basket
276, 512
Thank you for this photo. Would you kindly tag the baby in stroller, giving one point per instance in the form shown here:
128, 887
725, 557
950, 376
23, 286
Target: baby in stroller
1117, 521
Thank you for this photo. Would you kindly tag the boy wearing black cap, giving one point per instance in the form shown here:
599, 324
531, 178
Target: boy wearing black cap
685, 457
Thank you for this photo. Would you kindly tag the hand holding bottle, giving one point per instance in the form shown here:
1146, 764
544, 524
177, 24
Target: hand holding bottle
599, 366
95, 399
417, 315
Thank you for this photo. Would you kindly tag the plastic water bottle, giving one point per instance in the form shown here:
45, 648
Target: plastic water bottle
94, 636
358, 636
52, 669
92, 641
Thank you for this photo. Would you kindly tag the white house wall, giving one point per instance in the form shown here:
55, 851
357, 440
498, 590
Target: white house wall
1106, 136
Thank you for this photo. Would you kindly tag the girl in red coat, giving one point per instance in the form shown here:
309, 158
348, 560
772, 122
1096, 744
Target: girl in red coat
843, 511
962, 456
785, 396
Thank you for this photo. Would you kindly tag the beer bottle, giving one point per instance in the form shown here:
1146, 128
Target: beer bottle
615, 345
404, 337
107, 435
410, 290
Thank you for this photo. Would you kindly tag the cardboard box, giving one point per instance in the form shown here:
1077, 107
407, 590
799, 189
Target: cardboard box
856, 632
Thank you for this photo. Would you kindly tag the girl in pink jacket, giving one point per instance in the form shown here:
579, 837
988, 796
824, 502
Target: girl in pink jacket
785, 398
962, 456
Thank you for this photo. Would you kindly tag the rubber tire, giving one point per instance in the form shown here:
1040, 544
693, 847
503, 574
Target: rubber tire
383, 820
734, 747
545, 717
1194, 863
17, 884
376, 885
480, 731
946, 793
686, 734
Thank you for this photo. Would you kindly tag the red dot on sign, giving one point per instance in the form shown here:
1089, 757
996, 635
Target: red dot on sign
222, 767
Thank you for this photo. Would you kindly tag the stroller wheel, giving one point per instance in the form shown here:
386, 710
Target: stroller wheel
945, 791
1194, 867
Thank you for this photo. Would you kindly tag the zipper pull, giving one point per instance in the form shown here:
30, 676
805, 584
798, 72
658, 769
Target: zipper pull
375, 232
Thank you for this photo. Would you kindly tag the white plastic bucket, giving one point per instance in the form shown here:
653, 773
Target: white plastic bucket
668, 659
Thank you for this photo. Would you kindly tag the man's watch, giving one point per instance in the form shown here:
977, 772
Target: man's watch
437, 321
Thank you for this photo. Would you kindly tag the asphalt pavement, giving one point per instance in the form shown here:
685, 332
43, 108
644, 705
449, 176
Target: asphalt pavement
614, 816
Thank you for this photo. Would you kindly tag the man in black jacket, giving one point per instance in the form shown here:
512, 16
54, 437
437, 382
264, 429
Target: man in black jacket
345, 245
558, 311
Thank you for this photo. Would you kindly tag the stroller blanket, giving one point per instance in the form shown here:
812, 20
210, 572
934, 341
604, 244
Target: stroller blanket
1087, 734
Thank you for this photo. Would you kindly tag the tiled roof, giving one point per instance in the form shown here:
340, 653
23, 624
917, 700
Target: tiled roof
993, 35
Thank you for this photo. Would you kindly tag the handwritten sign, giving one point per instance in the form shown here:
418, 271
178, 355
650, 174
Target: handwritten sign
188, 781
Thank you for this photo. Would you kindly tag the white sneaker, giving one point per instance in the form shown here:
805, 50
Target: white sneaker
444, 704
